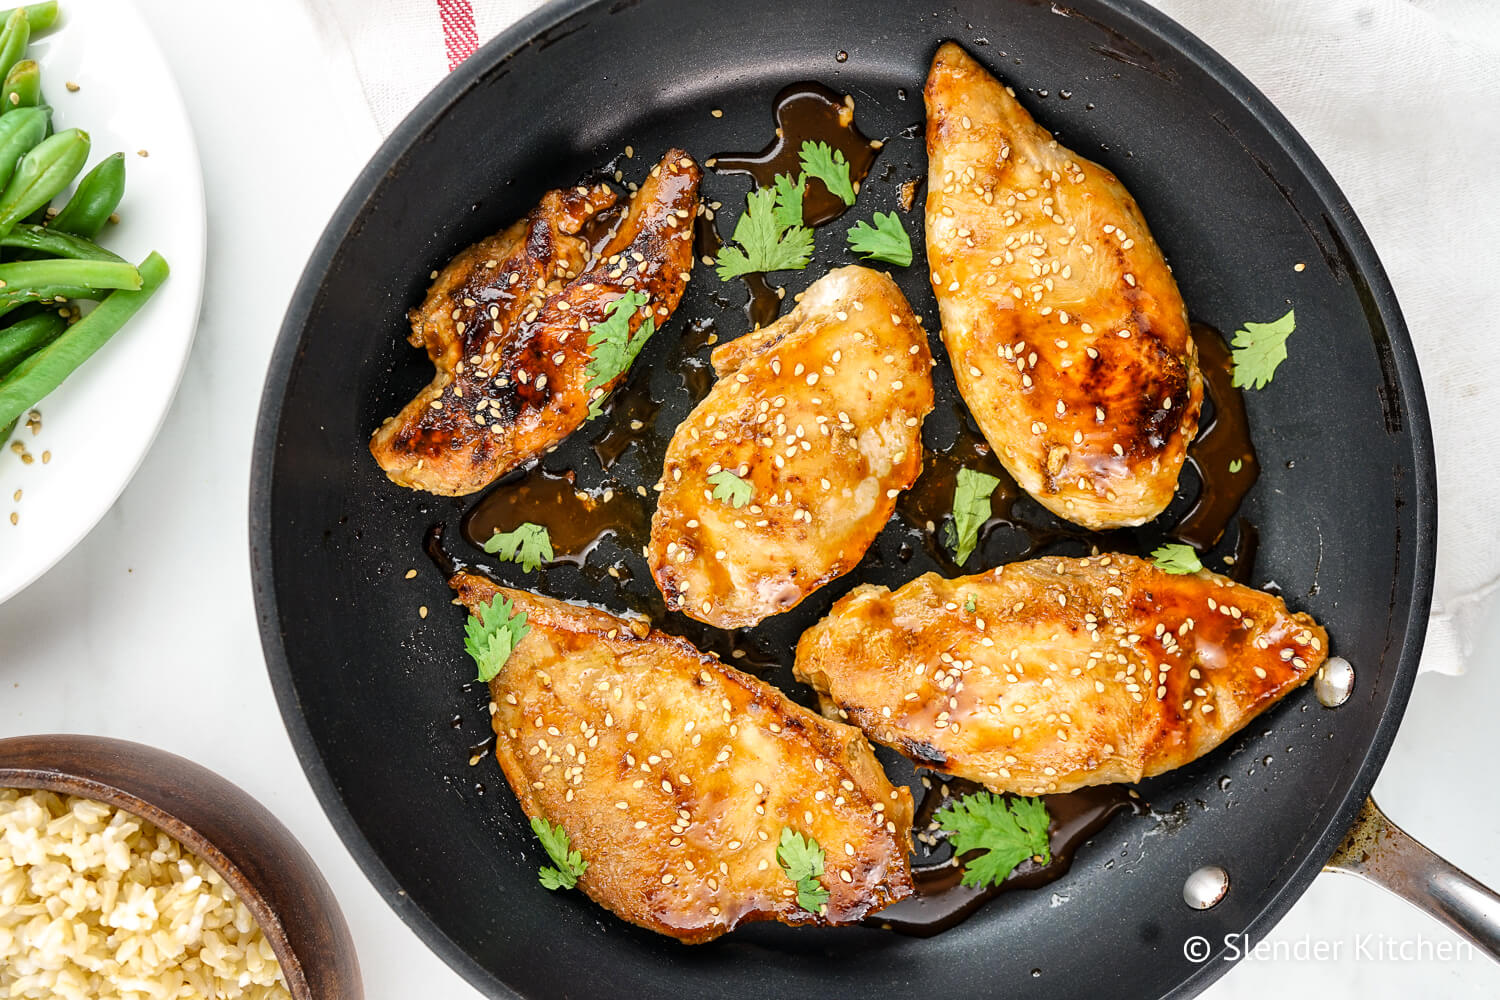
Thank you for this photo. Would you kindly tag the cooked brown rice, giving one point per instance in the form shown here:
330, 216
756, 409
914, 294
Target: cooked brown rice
96, 903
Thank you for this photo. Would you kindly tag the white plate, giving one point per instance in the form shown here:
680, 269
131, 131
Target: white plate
98, 425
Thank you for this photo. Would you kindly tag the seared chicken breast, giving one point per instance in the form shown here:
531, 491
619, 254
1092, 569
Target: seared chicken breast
674, 776
507, 324
1047, 675
1068, 336
782, 477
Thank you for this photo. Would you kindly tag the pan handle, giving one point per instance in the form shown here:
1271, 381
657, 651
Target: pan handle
1380, 852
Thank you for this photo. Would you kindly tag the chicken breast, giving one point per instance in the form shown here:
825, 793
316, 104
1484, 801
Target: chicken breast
674, 776
507, 324
1047, 675
782, 477
1068, 336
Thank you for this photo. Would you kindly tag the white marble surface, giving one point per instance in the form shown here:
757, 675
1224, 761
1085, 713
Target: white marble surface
146, 631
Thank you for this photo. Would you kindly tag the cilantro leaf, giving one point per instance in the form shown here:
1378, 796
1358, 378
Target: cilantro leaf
1177, 559
1259, 348
1236, 465
612, 348
971, 508
769, 244
789, 194
570, 864
530, 545
1007, 831
492, 633
886, 240
801, 859
731, 489
829, 166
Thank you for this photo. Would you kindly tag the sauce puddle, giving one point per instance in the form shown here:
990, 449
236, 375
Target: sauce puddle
1223, 440
764, 304
804, 112
942, 902
807, 112
930, 499
576, 519
631, 420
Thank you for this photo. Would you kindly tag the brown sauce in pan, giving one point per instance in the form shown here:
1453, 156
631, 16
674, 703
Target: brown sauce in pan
1245, 547
631, 419
807, 112
942, 902
433, 545
1224, 439
764, 304
929, 501
576, 519
804, 112
695, 371
930, 498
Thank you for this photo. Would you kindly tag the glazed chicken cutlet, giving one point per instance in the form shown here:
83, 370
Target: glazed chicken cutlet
675, 776
509, 324
1069, 339
1048, 675
782, 477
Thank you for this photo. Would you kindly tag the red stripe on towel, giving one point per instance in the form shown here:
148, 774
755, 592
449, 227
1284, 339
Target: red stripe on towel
460, 37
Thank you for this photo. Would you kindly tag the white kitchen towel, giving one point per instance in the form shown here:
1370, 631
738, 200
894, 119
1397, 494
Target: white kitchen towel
1401, 100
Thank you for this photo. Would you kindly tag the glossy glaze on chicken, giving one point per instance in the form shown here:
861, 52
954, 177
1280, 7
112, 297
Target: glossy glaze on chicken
507, 324
820, 415
1068, 337
1047, 675
674, 775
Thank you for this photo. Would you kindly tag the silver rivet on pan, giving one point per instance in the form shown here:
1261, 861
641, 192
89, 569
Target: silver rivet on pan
1334, 682
1205, 887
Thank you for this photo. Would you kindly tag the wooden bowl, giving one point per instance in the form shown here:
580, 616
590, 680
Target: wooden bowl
220, 823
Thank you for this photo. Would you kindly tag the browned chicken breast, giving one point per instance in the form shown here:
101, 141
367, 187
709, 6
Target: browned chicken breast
674, 776
1069, 339
1047, 675
782, 477
507, 324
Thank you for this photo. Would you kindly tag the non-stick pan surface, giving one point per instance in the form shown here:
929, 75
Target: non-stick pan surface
374, 695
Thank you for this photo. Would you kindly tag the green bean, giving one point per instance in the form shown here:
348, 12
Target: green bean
41, 174
20, 131
45, 370
22, 87
46, 241
24, 274
39, 16
30, 281
97, 197
13, 39
46, 294
27, 337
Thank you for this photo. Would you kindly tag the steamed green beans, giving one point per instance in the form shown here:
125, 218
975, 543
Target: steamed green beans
46, 369
13, 38
48, 242
96, 198
20, 131
45, 294
41, 174
22, 87
27, 337
83, 273
39, 16
49, 281
48, 257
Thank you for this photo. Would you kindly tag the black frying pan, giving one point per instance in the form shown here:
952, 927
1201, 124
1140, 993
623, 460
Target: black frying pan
373, 695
